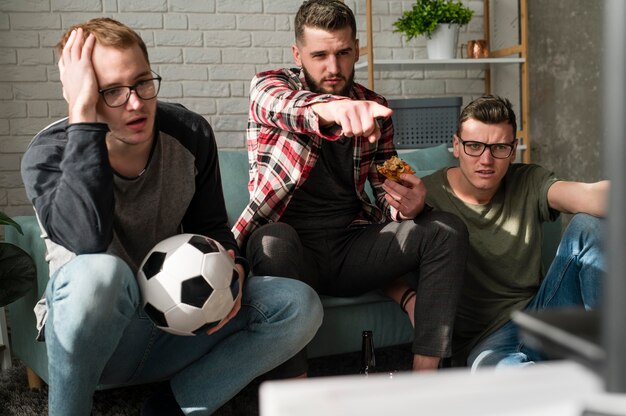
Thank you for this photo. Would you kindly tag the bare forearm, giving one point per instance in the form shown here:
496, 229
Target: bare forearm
575, 197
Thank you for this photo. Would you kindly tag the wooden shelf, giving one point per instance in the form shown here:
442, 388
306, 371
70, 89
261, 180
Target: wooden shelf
496, 57
394, 64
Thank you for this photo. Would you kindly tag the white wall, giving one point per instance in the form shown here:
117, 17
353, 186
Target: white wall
206, 50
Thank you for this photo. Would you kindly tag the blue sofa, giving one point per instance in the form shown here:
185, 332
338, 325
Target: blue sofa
344, 318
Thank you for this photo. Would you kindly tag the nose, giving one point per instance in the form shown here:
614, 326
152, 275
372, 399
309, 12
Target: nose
486, 157
331, 65
134, 102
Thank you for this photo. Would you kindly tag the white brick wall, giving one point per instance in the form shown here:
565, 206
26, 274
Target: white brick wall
206, 50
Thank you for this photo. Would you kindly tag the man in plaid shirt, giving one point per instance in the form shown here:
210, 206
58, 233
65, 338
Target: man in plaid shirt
314, 138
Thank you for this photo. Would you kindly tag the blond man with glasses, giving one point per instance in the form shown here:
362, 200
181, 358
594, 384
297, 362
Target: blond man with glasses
121, 173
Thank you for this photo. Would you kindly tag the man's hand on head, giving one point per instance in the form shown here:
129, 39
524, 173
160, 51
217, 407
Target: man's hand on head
356, 117
80, 86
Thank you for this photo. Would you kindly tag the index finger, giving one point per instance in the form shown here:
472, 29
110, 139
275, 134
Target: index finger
380, 110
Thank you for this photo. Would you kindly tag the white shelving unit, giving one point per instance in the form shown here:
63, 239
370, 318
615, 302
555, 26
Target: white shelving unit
501, 56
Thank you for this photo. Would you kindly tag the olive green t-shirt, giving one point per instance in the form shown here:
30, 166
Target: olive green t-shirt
504, 266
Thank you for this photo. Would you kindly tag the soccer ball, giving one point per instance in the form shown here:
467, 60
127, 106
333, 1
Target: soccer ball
188, 284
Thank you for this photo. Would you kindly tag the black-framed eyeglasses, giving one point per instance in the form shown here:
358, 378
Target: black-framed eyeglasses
146, 89
498, 150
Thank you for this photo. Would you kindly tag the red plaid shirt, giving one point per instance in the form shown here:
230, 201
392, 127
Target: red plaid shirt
284, 141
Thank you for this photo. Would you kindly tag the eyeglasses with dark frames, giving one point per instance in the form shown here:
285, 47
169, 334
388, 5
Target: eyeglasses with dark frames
146, 89
497, 150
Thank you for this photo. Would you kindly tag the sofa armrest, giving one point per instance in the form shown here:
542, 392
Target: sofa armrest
23, 326
31, 242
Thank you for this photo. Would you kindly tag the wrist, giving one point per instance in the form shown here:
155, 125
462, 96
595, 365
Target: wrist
83, 115
243, 262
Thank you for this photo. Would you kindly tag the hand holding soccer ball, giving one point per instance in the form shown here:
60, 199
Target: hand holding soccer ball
189, 284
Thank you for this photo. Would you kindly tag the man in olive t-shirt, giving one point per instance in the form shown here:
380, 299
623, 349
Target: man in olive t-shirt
503, 205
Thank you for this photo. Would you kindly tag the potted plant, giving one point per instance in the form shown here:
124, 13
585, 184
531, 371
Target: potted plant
439, 21
17, 269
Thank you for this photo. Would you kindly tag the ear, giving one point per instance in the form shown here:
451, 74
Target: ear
456, 146
357, 52
296, 55
513, 155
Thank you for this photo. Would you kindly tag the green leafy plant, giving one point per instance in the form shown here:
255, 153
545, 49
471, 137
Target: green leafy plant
423, 18
17, 269
6, 220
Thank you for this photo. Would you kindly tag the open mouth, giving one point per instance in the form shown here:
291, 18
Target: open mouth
485, 172
137, 123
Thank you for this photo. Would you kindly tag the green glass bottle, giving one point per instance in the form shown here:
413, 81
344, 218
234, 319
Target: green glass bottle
368, 358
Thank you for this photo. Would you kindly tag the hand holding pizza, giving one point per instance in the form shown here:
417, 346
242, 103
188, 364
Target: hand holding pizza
393, 167
405, 192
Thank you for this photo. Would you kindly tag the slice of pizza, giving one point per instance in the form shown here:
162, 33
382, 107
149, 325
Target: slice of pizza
393, 167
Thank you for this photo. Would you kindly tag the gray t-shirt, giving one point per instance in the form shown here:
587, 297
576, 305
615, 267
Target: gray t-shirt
504, 268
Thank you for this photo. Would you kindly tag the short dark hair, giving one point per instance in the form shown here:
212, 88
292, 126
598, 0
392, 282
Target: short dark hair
108, 32
328, 15
489, 109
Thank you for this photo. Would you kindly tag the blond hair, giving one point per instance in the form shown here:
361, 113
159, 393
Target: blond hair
108, 32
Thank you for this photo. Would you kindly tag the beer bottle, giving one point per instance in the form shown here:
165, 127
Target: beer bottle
368, 359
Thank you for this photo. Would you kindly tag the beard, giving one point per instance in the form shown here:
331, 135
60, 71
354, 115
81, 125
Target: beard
316, 88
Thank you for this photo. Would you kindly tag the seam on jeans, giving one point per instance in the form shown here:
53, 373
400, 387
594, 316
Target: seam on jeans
570, 259
146, 353
256, 307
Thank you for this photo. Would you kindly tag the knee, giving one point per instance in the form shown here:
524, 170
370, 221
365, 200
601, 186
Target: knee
272, 249
272, 238
584, 228
582, 223
306, 305
295, 301
91, 280
450, 227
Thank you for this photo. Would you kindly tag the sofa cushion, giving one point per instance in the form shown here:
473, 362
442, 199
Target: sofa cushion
346, 318
427, 160
234, 172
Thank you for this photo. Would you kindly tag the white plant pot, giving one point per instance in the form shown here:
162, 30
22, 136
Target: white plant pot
443, 42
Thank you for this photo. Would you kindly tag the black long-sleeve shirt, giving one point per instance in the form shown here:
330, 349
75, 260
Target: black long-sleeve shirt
83, 206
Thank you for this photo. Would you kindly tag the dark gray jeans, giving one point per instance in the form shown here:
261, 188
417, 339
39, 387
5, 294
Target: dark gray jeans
429, 250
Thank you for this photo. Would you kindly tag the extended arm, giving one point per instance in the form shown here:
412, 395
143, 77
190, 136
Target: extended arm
276, 101
575, 197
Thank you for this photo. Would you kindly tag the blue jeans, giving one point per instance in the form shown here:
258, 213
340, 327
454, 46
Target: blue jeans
573, 280
97, 333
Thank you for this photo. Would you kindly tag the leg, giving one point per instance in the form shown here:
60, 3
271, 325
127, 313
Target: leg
501, 349
278, 318
276, 250
432, 248
576, 274
574, 279
90, 302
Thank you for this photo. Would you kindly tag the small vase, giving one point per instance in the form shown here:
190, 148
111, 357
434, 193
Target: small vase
443, 42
